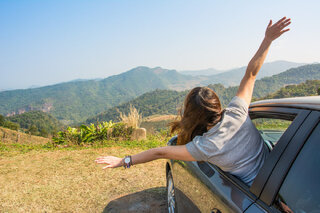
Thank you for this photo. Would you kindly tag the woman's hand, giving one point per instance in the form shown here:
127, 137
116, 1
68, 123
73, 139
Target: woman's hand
277, 29
111, 161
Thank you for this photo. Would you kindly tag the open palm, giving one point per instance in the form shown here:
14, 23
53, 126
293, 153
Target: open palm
273, 31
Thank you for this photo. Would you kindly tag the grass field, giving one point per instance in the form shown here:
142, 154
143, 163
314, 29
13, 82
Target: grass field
37, 178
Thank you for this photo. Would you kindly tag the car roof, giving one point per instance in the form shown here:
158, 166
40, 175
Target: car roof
308, 102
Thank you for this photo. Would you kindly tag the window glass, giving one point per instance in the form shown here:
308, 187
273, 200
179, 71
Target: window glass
271, 129
300, 192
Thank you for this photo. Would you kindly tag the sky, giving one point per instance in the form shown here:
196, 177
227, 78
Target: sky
48, 42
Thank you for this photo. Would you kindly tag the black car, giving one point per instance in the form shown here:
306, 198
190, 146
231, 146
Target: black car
289, 180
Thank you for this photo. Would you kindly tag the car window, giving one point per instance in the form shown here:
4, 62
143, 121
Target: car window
300, 191
271, 129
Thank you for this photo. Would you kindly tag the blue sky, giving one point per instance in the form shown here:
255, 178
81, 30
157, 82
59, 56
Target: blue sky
47, 42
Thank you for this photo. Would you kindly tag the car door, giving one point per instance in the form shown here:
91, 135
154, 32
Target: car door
201, 186
294, 184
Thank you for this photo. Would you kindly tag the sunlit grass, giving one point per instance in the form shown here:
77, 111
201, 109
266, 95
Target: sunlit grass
35, 178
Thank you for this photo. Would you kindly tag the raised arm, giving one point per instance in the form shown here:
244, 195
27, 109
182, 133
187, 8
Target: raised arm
167, 152
272, 32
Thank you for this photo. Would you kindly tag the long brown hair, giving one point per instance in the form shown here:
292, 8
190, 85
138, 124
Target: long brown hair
201, 111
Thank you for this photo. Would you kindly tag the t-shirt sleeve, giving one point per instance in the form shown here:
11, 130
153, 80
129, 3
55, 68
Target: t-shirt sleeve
203, 148
196, 150
238, 105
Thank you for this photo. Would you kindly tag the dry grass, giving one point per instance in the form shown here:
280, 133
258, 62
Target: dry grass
11, 136
70, 181
155, 118
133, 119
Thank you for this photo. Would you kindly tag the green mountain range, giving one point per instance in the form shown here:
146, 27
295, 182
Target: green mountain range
76, 101
167, 101
234, 76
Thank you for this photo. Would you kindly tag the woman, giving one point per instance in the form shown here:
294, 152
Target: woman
226, 138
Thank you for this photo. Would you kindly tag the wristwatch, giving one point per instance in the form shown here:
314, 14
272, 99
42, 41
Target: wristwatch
127, 162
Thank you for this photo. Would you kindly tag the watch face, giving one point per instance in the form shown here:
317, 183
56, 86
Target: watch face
127, 160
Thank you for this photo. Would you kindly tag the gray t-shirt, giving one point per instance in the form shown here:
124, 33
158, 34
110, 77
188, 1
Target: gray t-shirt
234, 144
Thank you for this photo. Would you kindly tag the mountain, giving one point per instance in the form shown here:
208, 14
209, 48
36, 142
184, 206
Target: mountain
234, 76
309, 88
206, 72
167, 102
151, 103
76, 101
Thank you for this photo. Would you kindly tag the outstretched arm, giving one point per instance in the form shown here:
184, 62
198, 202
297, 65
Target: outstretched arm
167, 152
247, 83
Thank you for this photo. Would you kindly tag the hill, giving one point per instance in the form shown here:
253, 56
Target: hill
206, 72
234, 76
166, 102
9, 136
162, 102
76, 101
37, 123
309, 88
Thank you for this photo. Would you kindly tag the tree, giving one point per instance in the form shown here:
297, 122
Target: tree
33, 130
2, 120
11, 125
319, 91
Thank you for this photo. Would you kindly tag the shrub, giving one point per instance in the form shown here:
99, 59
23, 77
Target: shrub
11, 125
120, 130
91, 133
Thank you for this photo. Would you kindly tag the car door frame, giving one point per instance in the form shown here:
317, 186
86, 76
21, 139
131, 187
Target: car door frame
274, 156
286, 160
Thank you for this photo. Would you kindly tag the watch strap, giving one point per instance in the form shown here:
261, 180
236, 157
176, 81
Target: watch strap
127, 165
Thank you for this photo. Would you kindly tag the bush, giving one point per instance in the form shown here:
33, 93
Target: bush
11, 125
120, 130
2, 119
91, 133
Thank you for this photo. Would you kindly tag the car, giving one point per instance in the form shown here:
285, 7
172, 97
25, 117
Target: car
289, 180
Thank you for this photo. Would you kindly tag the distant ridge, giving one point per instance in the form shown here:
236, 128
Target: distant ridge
77, 100
73, 102
232, 77
163, 102
205, 72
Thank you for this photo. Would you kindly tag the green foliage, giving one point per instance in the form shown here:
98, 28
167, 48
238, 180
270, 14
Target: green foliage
2, 120
309, 88
88, 134
33, 130
271, 124
293, 76
37, 123
8, 124
151, 103
120, 130
11, 125
152, 141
